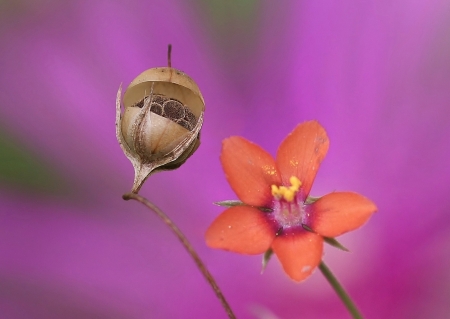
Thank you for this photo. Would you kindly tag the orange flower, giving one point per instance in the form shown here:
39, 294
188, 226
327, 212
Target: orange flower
276, 212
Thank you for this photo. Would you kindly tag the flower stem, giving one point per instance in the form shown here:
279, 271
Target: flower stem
340, 291
190, 249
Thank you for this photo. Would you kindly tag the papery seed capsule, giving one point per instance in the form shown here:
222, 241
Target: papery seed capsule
160, 126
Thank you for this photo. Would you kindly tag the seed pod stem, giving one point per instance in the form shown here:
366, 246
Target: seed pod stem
187, 245
169, 56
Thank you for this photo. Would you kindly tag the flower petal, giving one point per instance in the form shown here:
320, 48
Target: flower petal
299, 253
339, 212
250, 170
301, 153
241, 229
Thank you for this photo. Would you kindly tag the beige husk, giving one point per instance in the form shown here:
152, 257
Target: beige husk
150, 141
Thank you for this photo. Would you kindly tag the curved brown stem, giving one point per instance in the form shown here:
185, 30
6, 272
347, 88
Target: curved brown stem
169, 56
190, 249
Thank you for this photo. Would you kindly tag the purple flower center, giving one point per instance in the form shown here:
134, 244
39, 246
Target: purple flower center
288, 208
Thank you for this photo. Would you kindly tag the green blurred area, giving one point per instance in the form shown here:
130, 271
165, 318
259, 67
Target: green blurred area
233, 23
233, 27
23, 170
240, 12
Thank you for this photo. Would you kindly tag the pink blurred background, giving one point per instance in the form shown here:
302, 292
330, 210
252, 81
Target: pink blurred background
376, 74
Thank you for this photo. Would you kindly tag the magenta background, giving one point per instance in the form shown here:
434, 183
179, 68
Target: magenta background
376, 74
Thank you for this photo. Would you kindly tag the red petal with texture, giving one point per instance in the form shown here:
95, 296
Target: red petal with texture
301, 153
241, 229
250, 170
339, 212
299, 253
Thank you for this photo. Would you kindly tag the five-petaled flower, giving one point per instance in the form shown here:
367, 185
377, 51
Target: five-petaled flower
277, 213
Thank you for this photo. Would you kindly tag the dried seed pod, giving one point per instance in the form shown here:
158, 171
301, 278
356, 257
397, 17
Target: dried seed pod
160, 126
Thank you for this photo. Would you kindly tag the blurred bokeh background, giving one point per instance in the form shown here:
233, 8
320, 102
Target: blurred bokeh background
376, 74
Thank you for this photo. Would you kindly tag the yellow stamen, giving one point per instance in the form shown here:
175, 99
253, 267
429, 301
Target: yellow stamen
274, 190
295, 182
288, 193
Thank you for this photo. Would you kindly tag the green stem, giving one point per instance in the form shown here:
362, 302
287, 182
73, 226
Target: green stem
340, 291
187, 245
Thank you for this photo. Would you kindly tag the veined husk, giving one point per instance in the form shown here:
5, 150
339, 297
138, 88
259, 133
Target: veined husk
151, 141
